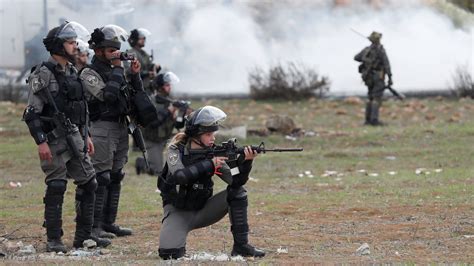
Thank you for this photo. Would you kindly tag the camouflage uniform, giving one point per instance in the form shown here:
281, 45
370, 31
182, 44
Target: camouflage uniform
375, 65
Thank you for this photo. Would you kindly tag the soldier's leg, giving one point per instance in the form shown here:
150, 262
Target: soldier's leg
379, 87
53, 201
153, 157
56, 185
237, 199
160, 159
82, 171
115, 187
103, 181
214, 210
173, 232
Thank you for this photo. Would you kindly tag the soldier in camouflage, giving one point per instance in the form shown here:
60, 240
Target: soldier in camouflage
373, 68
149, 70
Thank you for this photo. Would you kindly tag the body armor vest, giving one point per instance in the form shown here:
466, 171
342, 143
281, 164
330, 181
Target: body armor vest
190, 196
69, 99
99, 110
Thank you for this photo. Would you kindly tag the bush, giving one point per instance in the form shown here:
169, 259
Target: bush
463, 83
293, 82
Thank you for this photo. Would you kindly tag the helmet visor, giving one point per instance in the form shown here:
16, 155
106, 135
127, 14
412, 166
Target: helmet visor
171, 78
210, 116
114, 33
73, 30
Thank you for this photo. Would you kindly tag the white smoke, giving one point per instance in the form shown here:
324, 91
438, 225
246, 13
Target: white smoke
213, 46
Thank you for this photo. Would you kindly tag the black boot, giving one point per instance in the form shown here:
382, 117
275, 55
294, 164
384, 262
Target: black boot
237, 199
374, 114
85, 197
103, 180
53, 222
111, 206
368, 111
140, 165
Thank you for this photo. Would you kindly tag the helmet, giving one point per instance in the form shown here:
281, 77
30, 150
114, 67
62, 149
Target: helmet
66, 31
375, 37
204, 119
108, 36
137, 34
168, 77
83, 47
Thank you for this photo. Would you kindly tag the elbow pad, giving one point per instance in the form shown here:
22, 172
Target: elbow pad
192, 173
33, 122
112, 88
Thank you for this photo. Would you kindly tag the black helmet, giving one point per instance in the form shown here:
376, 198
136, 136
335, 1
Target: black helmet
204, 119
108, 36
58, 35
137, 34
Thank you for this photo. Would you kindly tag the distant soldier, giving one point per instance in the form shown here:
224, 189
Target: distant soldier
56, 116
373, 68
149, 70
172, 117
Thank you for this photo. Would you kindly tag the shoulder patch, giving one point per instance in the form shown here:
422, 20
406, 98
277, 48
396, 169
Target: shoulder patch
90, 77
173, 156
39, 79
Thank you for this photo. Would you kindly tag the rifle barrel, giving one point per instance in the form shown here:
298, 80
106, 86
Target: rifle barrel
284, 150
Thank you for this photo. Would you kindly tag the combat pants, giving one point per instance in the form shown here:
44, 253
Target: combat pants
64, 165
111, 146
177, 223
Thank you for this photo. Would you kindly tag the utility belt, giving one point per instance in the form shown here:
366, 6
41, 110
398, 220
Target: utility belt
61, 133
117, 119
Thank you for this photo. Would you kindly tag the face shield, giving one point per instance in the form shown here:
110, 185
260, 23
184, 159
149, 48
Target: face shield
73, 30
209, 116
143, 33
171, 78
109, 36
114, 33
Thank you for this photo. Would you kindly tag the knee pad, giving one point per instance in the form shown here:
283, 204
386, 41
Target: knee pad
236, 196
117, 177
171, 253
103, 178
56, 187
89, 187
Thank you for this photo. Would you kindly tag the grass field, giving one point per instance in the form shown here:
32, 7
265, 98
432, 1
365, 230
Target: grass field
373, 194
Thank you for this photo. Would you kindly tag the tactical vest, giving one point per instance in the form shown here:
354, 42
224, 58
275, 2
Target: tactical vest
190, 196
164, 131
69, 99
99, 110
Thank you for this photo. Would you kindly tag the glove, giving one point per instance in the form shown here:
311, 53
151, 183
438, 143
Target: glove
390, 82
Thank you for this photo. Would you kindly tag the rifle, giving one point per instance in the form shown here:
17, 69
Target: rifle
66, 127
138, 140
181, 105
397, 94
230, 150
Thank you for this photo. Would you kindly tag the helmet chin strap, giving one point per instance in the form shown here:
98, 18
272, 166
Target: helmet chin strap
199, 142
